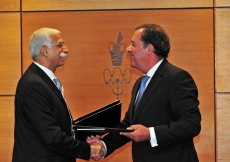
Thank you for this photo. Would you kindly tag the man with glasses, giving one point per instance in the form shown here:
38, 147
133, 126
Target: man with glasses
43, 123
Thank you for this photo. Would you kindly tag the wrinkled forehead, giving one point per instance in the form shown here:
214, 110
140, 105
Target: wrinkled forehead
56, 38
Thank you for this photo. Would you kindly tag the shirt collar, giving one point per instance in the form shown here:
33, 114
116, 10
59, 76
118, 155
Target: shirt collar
47, 71
152, 71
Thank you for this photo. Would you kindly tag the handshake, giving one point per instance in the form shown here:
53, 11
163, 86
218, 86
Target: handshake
98, 150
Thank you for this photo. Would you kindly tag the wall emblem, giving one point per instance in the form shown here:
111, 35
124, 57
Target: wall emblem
117, 77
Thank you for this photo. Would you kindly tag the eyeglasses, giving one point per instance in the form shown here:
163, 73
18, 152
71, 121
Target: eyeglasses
59, 44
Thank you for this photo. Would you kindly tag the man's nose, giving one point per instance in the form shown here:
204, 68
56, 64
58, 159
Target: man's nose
65, 48
128, 49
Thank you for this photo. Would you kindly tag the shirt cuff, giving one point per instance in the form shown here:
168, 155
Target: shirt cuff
153, 139
105, 148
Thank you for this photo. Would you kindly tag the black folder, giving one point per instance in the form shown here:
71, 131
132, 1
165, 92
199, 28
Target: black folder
98, 122
101, 129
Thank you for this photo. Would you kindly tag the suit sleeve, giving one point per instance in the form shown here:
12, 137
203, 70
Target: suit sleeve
46, 121
115, 140
183, 100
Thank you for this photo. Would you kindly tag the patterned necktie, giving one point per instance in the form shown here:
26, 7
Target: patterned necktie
141, 90
61, 89
59, 85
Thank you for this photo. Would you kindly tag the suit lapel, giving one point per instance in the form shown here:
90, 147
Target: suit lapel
51, 84
46, 79
154, 82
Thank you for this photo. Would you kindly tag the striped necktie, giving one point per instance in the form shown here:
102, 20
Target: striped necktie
61, 89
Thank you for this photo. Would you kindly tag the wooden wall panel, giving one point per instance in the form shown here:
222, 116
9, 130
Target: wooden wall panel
6, 128
222, 36
88, 34
223, 127
10, 5
221, 3
35, 5
10, 63
222, 72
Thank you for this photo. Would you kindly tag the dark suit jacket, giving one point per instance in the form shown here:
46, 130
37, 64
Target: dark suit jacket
170, 105
42, 123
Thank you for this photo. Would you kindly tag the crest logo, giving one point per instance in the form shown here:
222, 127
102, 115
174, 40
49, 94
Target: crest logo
117, 77
117, 51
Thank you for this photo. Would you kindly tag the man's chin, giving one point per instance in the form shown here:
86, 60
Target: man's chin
62, 63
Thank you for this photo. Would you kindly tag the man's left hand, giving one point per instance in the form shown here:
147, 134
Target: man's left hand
141, 133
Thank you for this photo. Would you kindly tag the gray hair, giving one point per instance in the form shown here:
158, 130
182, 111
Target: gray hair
39, 38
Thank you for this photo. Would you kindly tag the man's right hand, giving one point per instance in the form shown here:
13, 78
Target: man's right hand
97, 148
96, 151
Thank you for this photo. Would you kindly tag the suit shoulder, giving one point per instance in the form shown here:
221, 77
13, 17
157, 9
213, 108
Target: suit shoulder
172, 69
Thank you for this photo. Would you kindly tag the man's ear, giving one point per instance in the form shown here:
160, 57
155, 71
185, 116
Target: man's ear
44, 51
150, 49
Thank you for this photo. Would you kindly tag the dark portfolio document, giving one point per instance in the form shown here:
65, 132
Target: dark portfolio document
99, 122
